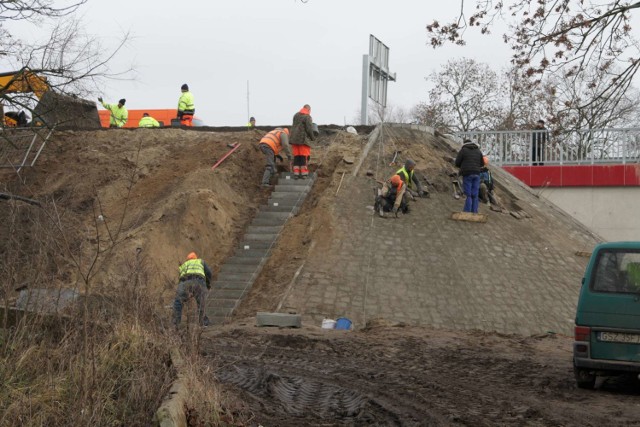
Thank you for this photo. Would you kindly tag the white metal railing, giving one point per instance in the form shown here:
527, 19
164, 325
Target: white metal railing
591, 146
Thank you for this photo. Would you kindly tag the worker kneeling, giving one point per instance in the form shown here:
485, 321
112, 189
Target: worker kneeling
271, 145
195, 274
392, 197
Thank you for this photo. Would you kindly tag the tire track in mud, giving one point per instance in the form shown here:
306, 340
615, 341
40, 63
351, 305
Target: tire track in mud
360, 380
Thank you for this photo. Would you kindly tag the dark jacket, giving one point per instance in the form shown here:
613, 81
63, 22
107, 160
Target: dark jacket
469, 159
302, 127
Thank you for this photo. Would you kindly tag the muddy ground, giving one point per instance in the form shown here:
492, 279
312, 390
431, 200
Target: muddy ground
158, 190
408, 376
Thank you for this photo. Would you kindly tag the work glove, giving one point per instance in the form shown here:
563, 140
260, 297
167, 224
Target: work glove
100, 99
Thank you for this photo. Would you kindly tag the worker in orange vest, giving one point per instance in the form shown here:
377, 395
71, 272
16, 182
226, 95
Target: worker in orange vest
271, 145
302, 129
392, 197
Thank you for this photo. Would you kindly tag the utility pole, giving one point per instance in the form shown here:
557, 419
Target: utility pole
248, 107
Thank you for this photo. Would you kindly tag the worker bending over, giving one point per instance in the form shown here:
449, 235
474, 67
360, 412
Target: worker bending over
414, 187
195, 274
301, 129
118, 113
392, 197
148, 122
186, 106
271, 145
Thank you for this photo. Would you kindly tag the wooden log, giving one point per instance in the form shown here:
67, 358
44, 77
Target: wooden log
468, 216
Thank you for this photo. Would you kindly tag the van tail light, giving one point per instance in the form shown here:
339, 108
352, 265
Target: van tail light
583, 333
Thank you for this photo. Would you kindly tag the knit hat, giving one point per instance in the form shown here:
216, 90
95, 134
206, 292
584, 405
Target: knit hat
184, 87
409, 163
122, 101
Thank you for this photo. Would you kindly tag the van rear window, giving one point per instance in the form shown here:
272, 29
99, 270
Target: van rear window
617, 271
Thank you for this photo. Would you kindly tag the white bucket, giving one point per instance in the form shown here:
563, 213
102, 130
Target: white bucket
328, 324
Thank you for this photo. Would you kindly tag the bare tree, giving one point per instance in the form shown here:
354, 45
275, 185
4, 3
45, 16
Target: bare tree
465, 96
557, 36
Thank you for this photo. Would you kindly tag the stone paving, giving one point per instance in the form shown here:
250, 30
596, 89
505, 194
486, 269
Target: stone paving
507, 275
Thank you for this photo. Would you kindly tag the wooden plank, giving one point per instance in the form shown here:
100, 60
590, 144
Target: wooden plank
468, 216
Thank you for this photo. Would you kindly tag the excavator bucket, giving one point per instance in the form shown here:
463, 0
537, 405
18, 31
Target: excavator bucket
64, 111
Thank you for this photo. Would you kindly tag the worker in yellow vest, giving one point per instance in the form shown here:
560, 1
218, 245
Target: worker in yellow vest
252, 123
148, 122
186, 106
271, 145
414, 187
118, 113
195, 274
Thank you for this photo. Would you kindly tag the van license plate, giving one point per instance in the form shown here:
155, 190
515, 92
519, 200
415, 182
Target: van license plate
619, 337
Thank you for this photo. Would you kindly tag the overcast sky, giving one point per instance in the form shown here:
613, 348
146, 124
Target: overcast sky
291, 53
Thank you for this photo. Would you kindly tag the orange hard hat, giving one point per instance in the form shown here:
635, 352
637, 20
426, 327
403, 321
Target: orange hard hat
485, 160
192, 255
286, 130
396, 180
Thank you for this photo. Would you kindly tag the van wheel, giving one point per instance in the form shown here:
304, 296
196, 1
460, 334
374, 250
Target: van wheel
584, 378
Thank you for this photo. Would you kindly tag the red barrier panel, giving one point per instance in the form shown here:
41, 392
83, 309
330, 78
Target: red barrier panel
578, 175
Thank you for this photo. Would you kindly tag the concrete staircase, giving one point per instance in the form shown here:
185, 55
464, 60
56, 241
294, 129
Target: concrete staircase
239, 272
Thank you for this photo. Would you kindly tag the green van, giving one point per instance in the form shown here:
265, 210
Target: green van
607, 332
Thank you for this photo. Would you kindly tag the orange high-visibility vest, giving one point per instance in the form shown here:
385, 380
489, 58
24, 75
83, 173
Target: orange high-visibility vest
272, 139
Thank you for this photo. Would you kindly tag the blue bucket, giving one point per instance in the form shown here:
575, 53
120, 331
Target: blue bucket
343, 323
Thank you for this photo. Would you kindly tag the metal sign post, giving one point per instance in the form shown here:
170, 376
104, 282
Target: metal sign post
375, 75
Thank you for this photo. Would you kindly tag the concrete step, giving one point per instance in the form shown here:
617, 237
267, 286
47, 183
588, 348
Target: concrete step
230, 285
284, 175
269, 221
234, 260
284, 202
261, 237
239, 268
256, 229
252, 253
294, 181
213, 312
237, 276
227, 294
291, 189
286, 195
256, 244
213, 303
272, 215
216, 320
285, 208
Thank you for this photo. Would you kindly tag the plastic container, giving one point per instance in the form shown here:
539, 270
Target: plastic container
316, 131
328, 324
343, 323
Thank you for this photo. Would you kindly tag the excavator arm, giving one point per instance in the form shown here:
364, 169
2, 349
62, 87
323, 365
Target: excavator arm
53, 109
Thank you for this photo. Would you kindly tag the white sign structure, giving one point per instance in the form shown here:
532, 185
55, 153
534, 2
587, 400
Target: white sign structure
375, 75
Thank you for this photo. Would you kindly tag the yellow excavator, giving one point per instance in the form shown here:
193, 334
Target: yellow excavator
53, 109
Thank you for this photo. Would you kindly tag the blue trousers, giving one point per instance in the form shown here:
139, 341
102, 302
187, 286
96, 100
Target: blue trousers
471, 184
187, 289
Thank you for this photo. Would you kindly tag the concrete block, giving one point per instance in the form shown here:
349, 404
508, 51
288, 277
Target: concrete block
269, 221
283, 320
284, 202
289, 175
256, 229
294, 181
